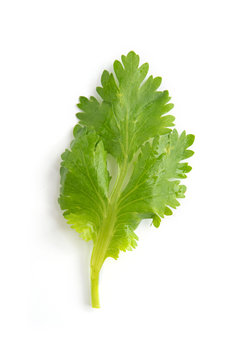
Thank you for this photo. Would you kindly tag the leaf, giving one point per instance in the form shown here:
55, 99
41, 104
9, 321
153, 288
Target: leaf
132, 111
152, 189
130, 125
84, 184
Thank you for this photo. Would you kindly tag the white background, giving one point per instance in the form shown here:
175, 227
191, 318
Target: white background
177, 295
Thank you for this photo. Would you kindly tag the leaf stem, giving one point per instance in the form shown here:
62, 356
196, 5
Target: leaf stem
94, 289
105, 235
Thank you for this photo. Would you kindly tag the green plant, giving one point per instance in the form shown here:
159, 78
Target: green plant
128, 130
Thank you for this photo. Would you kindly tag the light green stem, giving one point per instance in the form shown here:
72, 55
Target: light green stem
105, 235
94, 290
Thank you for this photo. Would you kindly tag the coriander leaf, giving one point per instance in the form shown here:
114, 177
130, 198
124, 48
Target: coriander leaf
84, 184
152, 189
130, 125
132, 111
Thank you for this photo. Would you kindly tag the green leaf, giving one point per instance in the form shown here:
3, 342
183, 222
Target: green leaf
132, 111
152, 189
130, 126
84, 184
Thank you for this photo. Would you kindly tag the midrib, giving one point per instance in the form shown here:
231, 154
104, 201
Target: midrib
107, 228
